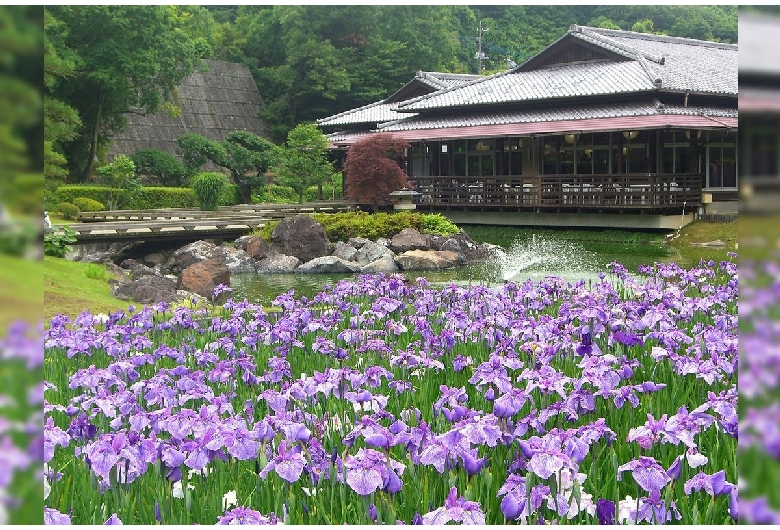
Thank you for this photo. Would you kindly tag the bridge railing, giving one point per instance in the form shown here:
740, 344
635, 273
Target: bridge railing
646, 191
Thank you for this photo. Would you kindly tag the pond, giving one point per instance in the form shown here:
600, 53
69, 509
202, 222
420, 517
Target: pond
529, 254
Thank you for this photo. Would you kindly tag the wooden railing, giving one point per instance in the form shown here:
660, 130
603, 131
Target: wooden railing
653, 192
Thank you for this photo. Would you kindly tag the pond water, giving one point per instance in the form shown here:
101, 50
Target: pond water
528, 255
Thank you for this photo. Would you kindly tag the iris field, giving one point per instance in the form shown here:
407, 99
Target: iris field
389, 400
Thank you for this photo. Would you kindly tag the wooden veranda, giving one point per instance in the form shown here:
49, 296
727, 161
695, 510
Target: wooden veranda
642, 193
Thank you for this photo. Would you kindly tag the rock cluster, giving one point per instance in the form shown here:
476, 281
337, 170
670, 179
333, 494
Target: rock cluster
298, 245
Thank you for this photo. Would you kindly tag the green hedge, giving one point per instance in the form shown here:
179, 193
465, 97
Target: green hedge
146, 198
343, 226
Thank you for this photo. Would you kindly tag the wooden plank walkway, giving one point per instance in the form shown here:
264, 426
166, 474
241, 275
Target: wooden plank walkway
269, 211
186, 224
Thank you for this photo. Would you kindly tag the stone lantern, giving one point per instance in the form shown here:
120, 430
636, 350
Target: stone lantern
403, 199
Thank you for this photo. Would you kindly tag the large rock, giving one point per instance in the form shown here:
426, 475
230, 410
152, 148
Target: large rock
463, 245
409, 239
300, 236
371, 252
345, 251
358, 242
147, 290
386, 265
201, 278
328, 264
278, 264
426, 260
236, 260
258, 248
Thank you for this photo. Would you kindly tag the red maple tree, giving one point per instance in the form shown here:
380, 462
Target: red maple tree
372, 171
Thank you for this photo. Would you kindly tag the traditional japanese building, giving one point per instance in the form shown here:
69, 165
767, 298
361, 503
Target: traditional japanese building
759, 105
600, 124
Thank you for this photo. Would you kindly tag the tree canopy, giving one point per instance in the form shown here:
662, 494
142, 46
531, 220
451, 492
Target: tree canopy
309, 61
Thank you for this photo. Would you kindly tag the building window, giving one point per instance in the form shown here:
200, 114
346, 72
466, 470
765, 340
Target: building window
721, 160
676, 152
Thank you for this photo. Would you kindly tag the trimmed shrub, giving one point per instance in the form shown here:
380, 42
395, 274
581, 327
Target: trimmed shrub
146, 198
68, 210
230, 195
208, 187
151, 197
163, 166
342, 226
85, 204
275, 194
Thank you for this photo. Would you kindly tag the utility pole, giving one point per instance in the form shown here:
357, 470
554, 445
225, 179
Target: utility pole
480, 56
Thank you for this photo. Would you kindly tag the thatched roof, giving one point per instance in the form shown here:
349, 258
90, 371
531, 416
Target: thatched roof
222, 99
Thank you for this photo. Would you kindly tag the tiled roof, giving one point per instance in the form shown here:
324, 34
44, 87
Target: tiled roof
380, 111
652, 63
758, 53
369, 114
649, 108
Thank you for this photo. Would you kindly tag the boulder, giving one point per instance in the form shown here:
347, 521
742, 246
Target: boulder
462, 244
278, 264
386, 265
409, 239
345, 251
371, 252
241, 242
328, 264
358, 242
139, 269
300, 236
236, 260
257, 247
426, 260
147, 290
203, 277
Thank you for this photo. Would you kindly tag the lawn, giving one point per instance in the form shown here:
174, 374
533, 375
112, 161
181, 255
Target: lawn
67, 290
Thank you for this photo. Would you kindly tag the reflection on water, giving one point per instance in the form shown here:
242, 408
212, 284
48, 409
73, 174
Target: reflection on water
523, 258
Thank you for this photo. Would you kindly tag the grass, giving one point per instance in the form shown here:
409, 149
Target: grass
68, 290
21, 291
699, 232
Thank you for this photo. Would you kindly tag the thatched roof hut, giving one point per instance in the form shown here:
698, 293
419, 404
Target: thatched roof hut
214, 102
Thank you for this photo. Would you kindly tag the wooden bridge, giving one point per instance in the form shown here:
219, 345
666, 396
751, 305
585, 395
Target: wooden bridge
181, 224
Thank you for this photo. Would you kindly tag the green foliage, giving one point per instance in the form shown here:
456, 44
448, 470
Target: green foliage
119, 175
148, 197
436, 223
197, 150
208, 187
95, 271
343, 226
68, 210
275, 194
161, 165
334, 190
58, 242
229, 196
85, 204
245, 155
127, 57
305, 160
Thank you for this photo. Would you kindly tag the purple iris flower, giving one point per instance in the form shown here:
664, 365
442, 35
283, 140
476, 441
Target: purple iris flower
456, 509
372, 513
605, 511
113, 520
288, 465
52, 516
647, 472
370, 470
241, 515
714, 484
514, 502
675, 469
